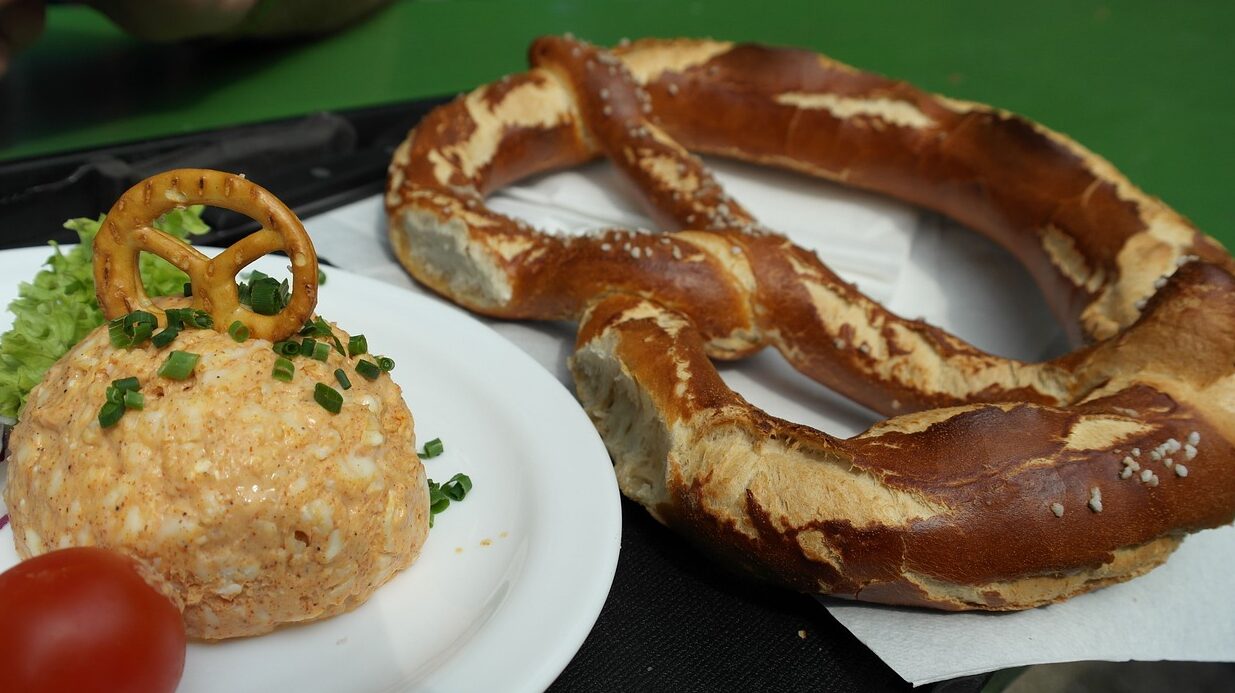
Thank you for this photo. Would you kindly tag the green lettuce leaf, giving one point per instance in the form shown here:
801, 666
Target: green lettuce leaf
58, 308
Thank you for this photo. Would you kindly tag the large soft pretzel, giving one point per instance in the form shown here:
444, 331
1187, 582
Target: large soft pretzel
1001, 484
129, 229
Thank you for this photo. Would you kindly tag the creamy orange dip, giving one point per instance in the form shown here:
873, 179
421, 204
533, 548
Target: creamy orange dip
256, 506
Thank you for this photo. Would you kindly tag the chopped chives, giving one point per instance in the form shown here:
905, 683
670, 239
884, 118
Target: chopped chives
321, 351
139, 317
115, 332
458, 486
315, 326
440, 495
284, 370
323, 330
177, 317
462, 480
328, 397
368, 369
433, 448
167, 336
121, 395
321, 277
202, 320
385, 363
140, 325
263, 297
110, 413
307, 346
435, 500
132, 329
438, 501
357, 345
267, 296
239, 331
124, 384
141, 332
286, 348
179, 365
188, 289
344, 381
244, 290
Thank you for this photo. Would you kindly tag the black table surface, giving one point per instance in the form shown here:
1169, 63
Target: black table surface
677, 621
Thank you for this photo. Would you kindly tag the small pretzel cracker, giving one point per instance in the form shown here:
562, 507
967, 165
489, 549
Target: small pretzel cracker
129, 229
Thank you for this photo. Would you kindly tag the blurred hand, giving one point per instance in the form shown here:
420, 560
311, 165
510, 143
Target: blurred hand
21, 22
175, 20
165, 21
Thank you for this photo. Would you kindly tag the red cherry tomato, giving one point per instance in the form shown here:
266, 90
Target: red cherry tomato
83, 619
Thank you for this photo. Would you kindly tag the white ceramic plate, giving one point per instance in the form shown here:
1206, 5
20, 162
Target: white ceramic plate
510, 580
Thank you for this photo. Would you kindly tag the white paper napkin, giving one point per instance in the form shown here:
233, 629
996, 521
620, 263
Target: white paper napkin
919, 265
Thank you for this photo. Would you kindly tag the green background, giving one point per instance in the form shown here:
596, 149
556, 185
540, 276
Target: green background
1146, 84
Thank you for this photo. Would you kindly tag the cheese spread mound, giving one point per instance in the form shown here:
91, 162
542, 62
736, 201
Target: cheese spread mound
255, 505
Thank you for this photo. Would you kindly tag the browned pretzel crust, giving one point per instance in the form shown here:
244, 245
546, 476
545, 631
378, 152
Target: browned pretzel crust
1036, 482
129, 229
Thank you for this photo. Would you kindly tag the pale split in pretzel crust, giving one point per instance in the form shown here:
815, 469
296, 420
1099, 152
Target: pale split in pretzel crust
129, 229
1002, 484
